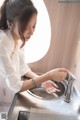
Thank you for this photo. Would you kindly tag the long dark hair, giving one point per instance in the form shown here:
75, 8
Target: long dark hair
17, 10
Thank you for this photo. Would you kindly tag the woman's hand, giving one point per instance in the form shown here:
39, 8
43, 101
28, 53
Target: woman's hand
50, 87
58, 74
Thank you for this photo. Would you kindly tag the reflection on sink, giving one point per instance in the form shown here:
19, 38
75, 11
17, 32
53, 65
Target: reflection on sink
39, 92
75, 102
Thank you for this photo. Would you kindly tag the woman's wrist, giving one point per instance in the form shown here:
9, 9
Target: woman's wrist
42, 78
48, 75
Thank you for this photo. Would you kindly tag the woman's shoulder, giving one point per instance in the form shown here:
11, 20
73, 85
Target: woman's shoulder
5, 37
2, 34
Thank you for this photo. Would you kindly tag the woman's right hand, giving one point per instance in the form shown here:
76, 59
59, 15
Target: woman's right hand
58, 74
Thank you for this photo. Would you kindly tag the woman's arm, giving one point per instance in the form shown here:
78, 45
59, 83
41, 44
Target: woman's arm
58, 74
28, 84
31, 74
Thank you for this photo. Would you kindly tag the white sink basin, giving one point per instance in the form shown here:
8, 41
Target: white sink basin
40, 93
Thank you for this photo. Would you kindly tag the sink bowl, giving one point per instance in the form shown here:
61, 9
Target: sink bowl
40, 93
38, 98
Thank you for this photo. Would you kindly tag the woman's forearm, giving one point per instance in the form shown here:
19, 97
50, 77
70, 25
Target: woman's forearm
31, 74
28, 84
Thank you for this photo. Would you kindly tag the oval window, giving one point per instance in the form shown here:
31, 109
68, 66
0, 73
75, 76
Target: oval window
39, 43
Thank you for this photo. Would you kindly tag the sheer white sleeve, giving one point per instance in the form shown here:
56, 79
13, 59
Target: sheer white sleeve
13, 80
24, 68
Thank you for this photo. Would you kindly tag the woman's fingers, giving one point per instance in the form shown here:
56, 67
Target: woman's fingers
50, 87
63, 70
55, 85
52, 90
58, 74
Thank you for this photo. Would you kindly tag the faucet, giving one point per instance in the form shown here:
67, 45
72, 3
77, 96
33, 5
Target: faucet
70, 79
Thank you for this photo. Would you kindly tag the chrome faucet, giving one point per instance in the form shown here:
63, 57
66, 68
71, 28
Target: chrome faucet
70, 79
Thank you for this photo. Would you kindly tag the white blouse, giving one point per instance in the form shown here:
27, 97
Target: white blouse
12, 62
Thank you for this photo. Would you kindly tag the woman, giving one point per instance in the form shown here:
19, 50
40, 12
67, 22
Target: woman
17, 24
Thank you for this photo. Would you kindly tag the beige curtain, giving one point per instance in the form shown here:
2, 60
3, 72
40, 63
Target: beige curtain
65, 33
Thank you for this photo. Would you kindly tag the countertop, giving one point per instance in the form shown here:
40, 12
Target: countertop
24, 102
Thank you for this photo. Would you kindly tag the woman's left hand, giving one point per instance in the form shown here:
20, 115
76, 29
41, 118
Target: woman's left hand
50, 87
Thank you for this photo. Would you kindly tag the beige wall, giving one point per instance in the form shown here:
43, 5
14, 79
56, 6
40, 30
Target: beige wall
65, 32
